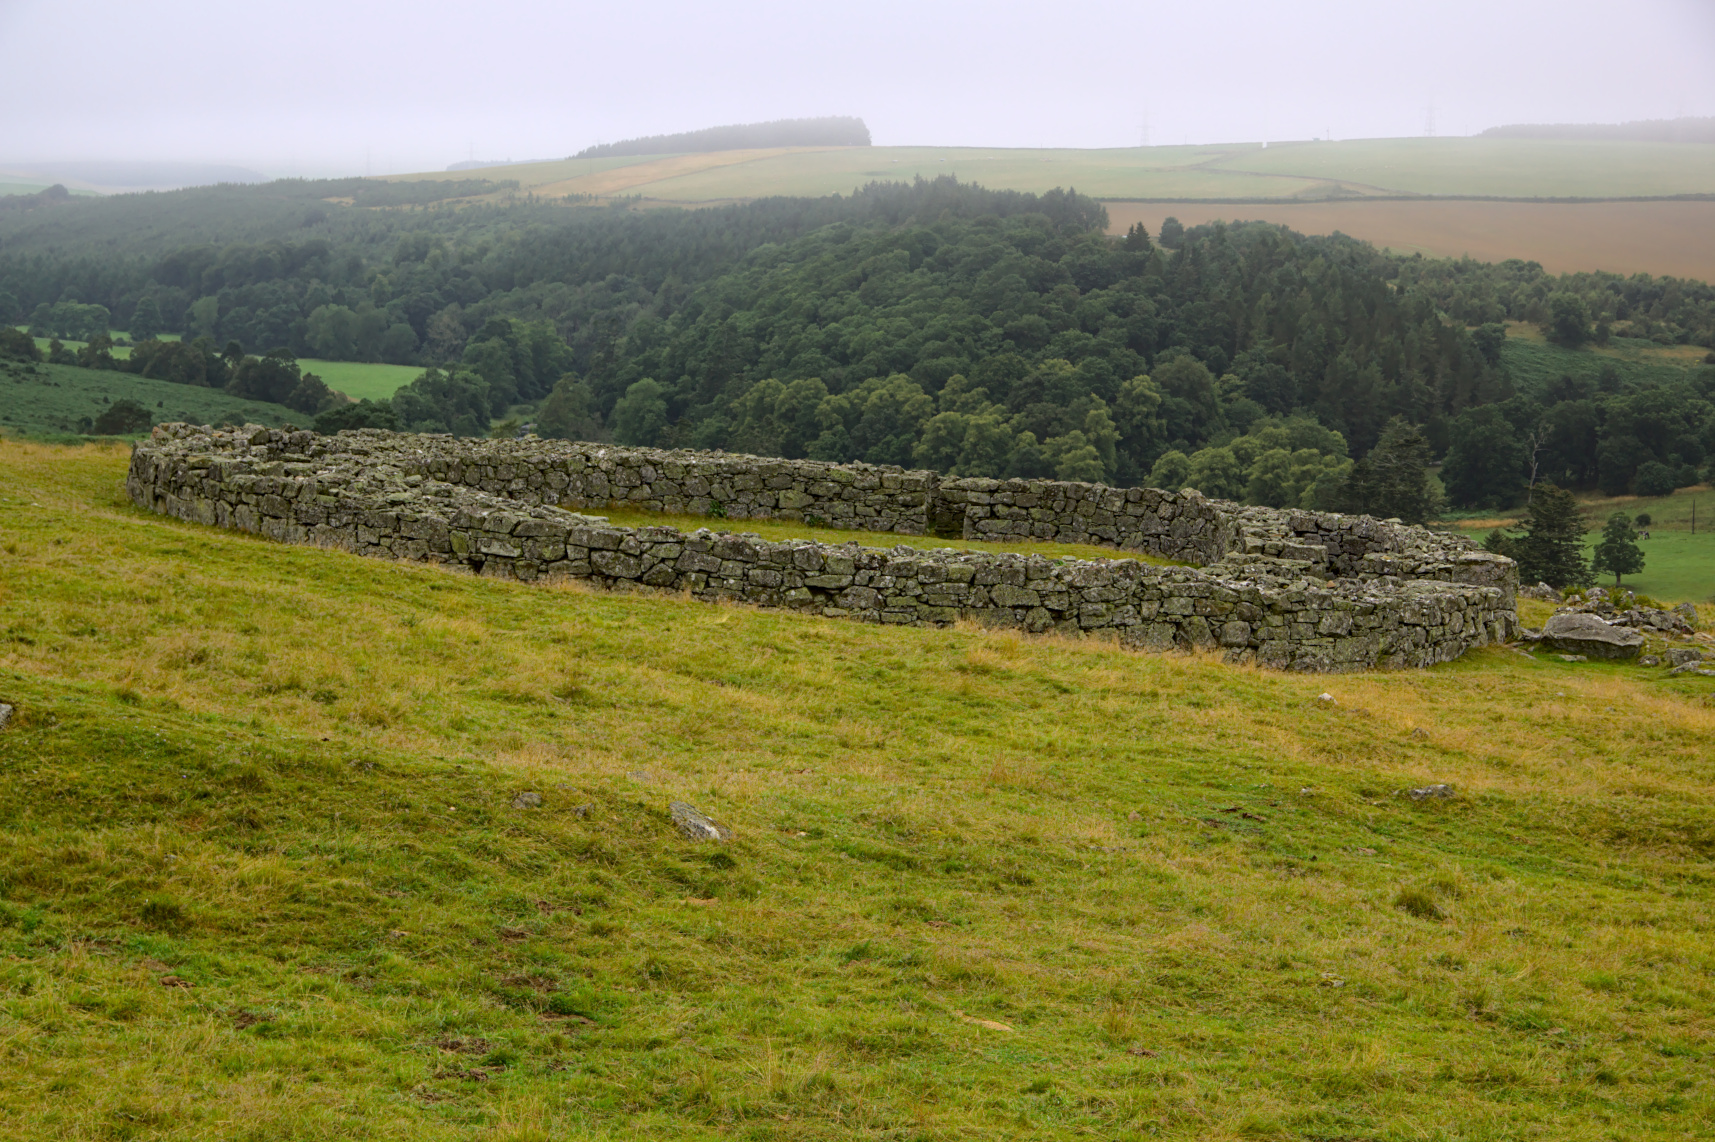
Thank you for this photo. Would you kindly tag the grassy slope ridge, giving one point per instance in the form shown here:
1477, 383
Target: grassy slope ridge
359, 380
44, 400
1521, 168
260, 877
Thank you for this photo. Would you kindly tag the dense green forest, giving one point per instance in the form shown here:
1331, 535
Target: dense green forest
934, 324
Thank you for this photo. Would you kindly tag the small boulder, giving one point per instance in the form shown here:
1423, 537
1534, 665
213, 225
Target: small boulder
1586, 634
696, 825
1692, 668
1649, 660
1428, 791
1688, 612
1573, 657
5, 715
1680, 655
527, 800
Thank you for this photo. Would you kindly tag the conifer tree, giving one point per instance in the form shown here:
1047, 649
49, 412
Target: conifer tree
1392, 481
1618, 552
1552, 548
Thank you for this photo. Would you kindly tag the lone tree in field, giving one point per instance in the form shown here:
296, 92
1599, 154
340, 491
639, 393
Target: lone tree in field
1551, 550
1618, 552
123, 418
1392, 480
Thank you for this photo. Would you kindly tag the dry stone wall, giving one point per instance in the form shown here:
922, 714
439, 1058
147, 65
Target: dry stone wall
496, 511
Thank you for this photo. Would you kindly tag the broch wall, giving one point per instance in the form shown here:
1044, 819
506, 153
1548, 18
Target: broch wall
1296, 590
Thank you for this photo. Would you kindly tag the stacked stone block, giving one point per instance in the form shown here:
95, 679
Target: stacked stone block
424, 499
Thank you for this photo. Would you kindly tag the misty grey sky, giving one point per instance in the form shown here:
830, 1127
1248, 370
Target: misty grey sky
319, 86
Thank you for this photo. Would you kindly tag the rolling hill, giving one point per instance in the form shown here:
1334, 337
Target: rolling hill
267, 869
1433, 196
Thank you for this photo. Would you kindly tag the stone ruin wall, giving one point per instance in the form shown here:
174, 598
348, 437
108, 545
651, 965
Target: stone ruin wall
1295, 590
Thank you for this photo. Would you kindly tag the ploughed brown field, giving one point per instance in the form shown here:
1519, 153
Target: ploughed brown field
1662, 238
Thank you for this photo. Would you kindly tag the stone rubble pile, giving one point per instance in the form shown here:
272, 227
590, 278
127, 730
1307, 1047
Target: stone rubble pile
1621, 609
1362, 594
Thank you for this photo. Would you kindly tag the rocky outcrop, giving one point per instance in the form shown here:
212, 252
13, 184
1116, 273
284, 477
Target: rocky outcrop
1590, 635
1407, 599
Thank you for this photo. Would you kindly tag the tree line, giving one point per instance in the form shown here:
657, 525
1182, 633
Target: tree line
932, 323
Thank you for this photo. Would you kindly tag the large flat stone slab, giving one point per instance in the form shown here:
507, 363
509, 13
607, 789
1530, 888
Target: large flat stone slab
1589, 635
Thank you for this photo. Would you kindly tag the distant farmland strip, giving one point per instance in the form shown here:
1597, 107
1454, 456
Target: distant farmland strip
1675, 238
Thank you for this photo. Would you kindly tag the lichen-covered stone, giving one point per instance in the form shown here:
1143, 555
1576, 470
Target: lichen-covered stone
1294, 590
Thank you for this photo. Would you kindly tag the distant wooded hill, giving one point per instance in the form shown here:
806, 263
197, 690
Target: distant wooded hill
832, 131
1686, 130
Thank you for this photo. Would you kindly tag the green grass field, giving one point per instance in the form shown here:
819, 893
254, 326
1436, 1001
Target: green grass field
1518, 168
361, 380
261, 876
1679, 564
49, 400
1533, 363
1510, 168
1678, 567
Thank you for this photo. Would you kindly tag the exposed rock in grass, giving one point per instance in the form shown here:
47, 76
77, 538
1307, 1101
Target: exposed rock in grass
1680, 655
696, 825
527, 800
1580, 633
5, 715
1429, 791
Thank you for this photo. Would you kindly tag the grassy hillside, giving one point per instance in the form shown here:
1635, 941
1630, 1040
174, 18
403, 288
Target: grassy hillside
261, 875
1509, 168
359, 380
1514, 168
1316, 187
47, 400
1532, 362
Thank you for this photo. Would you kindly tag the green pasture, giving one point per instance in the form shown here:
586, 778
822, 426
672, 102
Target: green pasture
357, 379
362, 380
265, 872
49, 400
1679, 564
1176, 172
1533, 363
120, 352
1511, 168
1678, 567
1518, 168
